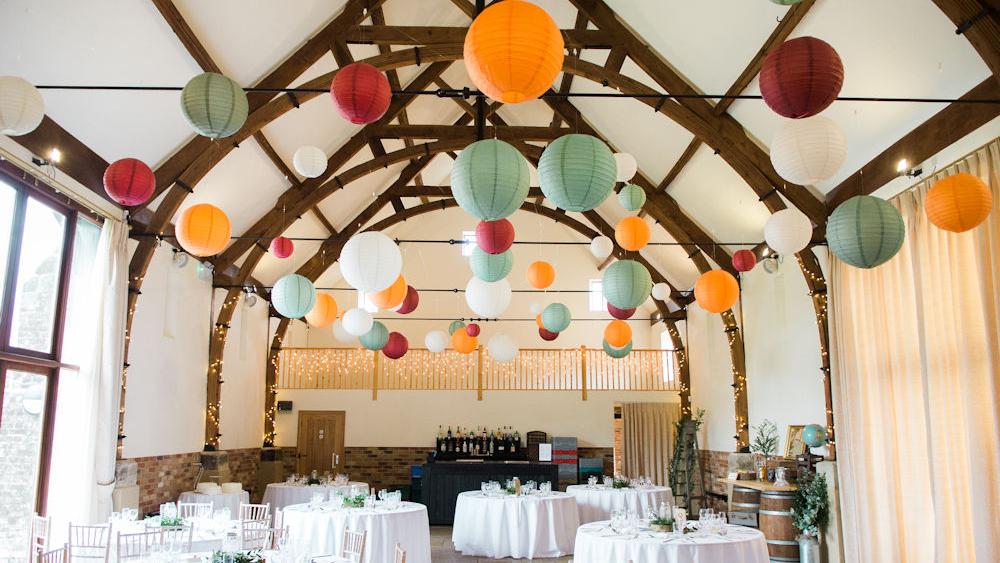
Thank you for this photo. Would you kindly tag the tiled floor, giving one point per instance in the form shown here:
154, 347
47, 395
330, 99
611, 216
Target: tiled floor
442, 550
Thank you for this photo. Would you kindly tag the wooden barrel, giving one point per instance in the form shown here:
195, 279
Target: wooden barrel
776, 523
743, 506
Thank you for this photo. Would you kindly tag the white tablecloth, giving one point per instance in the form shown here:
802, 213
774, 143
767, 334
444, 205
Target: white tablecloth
322, 530
539, 525
207, 534
222, 500
595, 543
596, 503
280, 495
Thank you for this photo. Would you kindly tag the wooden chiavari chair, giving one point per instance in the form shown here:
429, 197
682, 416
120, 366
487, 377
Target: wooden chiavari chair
353, 548
255, 511
255, 534
136, 546
89, 542
194, 509
178, 536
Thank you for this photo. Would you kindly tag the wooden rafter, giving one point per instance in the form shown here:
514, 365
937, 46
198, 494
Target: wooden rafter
415, 35
979, 22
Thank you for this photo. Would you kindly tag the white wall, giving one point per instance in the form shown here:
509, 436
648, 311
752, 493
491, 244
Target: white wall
244, 366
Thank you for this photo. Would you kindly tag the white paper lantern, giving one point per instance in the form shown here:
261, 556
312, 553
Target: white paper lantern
601, 247
358, 321
21, 106
661, 291
436, 341
502, 348
536, 308
810, 150
341, 334
488, 299
627, 166
370, 261
788, 231
309, 161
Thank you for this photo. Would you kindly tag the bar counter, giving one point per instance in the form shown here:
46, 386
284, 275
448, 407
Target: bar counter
443, 481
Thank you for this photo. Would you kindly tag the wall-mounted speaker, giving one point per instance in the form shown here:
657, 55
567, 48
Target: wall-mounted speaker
284, 406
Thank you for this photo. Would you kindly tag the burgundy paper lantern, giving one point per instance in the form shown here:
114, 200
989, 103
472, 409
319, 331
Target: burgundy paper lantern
282, 247
802, 77
744, 260
361, 93
129, 181
410, 302
494, 237
472, 329
620, 314
546, 335
396, 347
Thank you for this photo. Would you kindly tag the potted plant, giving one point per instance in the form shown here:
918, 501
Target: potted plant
662, 524
810, 510
764, 445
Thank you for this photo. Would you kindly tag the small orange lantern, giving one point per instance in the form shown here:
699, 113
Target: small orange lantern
632, 233
202, 230
541, 274
618, 333
716, 291
958, 203
391, 296
538, 321
463, 343
323, 313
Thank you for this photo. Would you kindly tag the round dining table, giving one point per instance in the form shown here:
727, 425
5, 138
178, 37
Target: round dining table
597, 502
527, 526
280, 495
219, 501
598, 543
207, 534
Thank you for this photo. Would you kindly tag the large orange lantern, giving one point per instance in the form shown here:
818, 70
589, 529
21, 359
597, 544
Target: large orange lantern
513, 51
618, 333
202, 230
323, 313
958, 203
716, 291
541, 274
391, 296
632, 233
463, 343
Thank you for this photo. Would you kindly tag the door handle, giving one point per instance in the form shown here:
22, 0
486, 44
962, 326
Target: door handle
336, 459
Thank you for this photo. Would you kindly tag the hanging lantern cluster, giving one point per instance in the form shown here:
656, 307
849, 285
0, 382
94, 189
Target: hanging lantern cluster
626, 284
556, 318
488, 299
323, 312
357, 321
622, 314
390, 297
370, 261
489, 179
410, 302
396, 346
632, 197
376, 337
495, 237
491, 267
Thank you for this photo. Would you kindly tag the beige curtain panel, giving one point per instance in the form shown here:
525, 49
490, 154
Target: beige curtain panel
648, 439
916, 366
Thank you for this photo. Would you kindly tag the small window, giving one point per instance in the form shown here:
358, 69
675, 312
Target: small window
365, 303
669, 357
597, 300
468, 242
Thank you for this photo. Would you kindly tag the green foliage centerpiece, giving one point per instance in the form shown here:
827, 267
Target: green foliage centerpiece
357, 501
810, 507
621, 483
765, 441
254, 556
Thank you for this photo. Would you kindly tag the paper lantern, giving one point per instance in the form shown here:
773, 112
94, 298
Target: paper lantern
802, 77
535, 307
494, 237
744, 260
490, 267
810, 150
282, 247
487, 299
214, 105
556, 317
463, 343
601, 247
456, 325
129, 181
632, 197
370, 261
660, 291
361, 93
472, 329
376, 337
716, 291
410, 302
309, 161
788, 231
357, 321
323, 312
489, 179
21, 106
958, 203
396, 347
293, 296
502, 348
620, 313
617, 353
538, 320
513, 51
865, 231
341, 334
436, 341
390, 297
625, 167
540, 274
632, 233
547, 335
202, 230
814, 435
577, 172
617, 333
626, 284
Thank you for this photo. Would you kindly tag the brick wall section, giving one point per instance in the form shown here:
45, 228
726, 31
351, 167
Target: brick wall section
163, 478
715, 465
383, 468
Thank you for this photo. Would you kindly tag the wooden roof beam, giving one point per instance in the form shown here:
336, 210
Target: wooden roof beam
414, 35
979, 22
505, 132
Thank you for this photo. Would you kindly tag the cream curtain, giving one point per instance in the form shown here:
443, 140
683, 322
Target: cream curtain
648, 439
916, 373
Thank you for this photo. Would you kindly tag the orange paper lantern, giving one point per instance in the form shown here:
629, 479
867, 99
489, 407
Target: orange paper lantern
618, 333
716, 291
632, 233
538, 321
202, 230
391, 296
513, 51
541, 274
958, 203
324, 312
463, 343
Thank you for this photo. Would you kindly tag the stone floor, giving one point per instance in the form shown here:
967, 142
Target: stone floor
442, 550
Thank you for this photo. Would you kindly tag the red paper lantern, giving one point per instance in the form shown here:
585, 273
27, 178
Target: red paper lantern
802, 77
282, 247
472, 329
396, 347
361, 93
494, 237
744, 260
129, 181
620, 314
410, 302
546, 335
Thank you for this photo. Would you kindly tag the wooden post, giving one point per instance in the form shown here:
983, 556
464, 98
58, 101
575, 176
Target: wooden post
479, 375
583, 371
375, 375
737, 354
683, 369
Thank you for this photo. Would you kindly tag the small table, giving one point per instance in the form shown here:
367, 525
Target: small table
280, 495
596, 543
231, 501
597, 502
531, 526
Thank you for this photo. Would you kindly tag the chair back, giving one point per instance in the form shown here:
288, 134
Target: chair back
58, 555
194, 509
178, 537
256, 534
354, 545
279, 518
400, 555
136, 546
39, 534
255, 511
89, 542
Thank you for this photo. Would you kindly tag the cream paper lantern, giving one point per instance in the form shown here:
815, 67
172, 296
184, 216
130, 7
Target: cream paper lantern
788, 231
21, 106
502, 348
488, 299
601, 247
661, 291
341, 334
436, 341
309, 161
370, 261
810, 150
357, 321
626, 165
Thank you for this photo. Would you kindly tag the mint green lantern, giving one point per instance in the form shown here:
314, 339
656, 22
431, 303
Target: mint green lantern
215, 105
376, 338
556, 317
632, 197
455, 325
617, 353
627, 284
489, 179
293, 296
577, 172
865, 231
491, 267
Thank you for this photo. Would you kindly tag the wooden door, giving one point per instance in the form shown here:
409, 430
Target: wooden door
321, 441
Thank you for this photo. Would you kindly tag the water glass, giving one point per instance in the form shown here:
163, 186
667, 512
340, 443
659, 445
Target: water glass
382, 494
608, 480
337, 499
592, 480
546, 487
231, 542
370, 502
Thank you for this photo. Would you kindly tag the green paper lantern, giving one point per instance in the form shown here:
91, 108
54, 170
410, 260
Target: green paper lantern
627, 284
490, 179
617, 353
632, 197
376, 338
491, 267
577, 172
215, 105
455, 325
865, 231
556, 317
293, 296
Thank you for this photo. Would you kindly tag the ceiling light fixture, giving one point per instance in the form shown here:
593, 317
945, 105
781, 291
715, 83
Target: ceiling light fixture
55, 155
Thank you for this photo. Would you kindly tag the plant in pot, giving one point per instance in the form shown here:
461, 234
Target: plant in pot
764, 445
810, 510
661, 524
